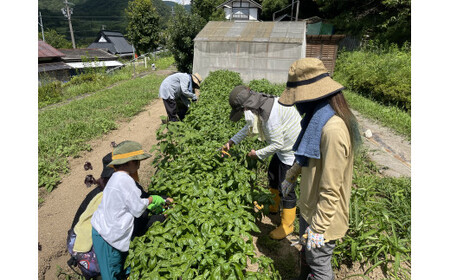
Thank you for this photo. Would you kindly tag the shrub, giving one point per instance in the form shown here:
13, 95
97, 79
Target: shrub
91, 77
265, 86
382, 73
50, 93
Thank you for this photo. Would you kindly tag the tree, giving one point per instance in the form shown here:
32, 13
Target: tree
207, 9
143, 25
385, 20
181, 33
56, 40
271, 6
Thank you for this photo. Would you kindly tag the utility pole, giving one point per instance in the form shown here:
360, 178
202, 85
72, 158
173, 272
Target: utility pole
42, 26
292, 10
67, 12
298, 7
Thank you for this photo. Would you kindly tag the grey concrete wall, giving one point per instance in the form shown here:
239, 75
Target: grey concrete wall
253, 60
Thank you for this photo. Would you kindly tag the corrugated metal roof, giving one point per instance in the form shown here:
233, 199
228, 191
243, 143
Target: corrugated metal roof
78, 65
281, 32
45, 50
77, 54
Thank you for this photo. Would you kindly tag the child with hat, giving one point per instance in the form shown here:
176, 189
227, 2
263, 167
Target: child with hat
113, 221
324, 156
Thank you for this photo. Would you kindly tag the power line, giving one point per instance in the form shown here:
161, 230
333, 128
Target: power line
93, 16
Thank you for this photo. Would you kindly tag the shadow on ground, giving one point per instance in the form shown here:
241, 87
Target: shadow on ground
284, 256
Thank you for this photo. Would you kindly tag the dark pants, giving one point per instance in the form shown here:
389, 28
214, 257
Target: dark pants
277, 174
176, 111
144, 222
316, 264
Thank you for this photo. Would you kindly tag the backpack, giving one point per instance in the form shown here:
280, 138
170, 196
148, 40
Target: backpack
86, 262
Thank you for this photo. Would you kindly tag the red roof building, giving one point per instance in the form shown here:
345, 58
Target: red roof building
47, 52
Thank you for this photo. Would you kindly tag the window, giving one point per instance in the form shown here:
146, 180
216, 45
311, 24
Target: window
241, 13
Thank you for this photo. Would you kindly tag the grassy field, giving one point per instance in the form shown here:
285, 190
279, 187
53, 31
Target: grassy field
93, 81
65, 130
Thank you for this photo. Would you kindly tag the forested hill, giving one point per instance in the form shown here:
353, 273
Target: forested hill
89, 16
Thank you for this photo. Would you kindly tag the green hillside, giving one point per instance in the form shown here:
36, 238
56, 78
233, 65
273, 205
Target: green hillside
90, 16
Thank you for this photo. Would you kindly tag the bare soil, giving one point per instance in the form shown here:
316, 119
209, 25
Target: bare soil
58, 209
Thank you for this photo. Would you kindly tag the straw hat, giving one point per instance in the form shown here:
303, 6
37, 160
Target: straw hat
127, 151
196, 78
308, 80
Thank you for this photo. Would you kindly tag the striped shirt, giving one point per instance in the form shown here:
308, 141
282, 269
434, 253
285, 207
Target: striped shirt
281, 130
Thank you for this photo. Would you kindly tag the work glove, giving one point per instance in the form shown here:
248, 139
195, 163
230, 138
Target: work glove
157, 204
291, 179
314, 240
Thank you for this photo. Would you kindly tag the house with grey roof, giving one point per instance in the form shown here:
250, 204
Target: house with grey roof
256, 50
240, 9
114, 42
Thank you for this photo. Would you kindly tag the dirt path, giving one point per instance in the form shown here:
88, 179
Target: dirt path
391, 152
55, 215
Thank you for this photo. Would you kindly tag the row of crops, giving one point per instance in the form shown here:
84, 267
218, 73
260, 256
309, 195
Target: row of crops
208, 233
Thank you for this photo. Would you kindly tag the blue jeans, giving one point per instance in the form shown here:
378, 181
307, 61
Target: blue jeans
110, 260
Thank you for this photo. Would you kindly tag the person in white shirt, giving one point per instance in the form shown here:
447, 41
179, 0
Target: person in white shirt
279, 126
112, 222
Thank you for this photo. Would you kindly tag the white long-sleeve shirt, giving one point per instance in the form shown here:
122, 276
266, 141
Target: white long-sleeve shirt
280, 131
121, 203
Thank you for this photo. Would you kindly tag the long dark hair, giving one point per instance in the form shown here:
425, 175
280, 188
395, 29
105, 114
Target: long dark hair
340, 106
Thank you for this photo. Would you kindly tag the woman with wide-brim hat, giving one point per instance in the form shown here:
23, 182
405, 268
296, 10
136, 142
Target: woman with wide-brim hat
113, 221
324, 156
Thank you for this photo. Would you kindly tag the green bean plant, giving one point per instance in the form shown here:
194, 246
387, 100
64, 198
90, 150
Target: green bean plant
208, 233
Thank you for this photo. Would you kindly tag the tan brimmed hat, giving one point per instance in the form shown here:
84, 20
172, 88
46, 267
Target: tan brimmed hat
127, 151
308, 80
196, 78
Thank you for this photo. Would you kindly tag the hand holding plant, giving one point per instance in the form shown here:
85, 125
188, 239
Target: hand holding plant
156, 205
252, 154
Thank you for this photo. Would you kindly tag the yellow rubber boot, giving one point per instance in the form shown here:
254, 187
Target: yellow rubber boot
287, 224
273, 209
